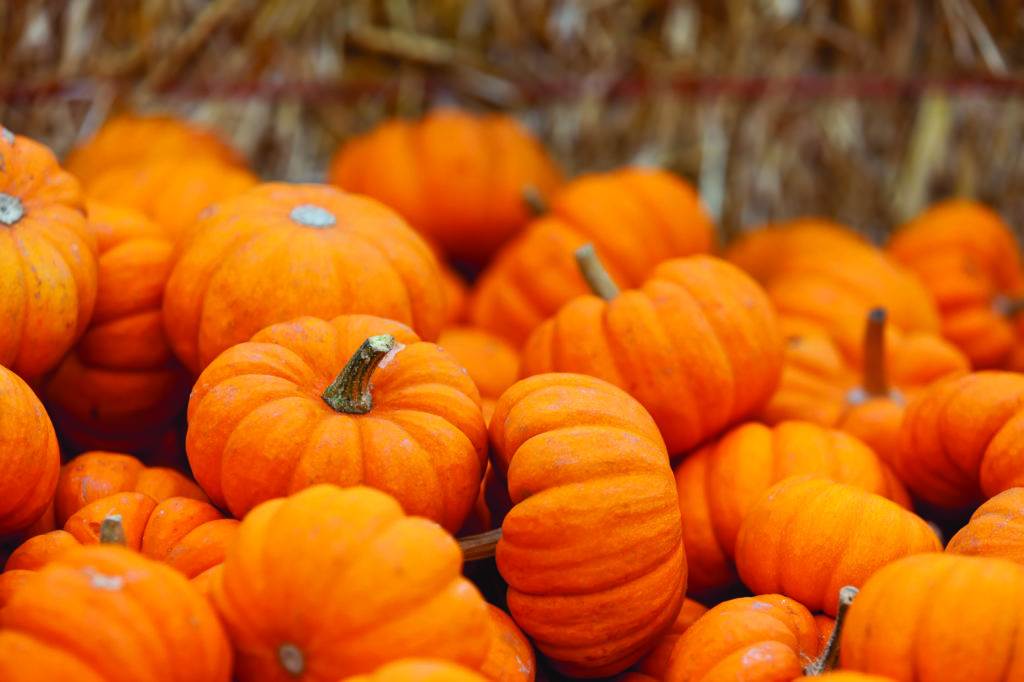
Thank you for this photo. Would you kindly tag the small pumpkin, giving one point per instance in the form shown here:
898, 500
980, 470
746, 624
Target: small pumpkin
456, 297
720, 483
655, 663
458, 178
279, 251
510, 657
591, 549
420, 670
847, 676
996, 529
164, 629
536, 274
892, 628
369, 585
357, 400
492, 363
47, 258
808, 537
698, 345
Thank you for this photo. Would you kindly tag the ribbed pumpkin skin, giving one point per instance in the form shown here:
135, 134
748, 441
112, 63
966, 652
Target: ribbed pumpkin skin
420, 670
764, 251
847, 676
456, 177
996, 529
29, 455
350, 582
536, 274
259, 428
959, 439
492, 363
721, 482
47, 259
760, 639
655, 663
698, 345
280, 251
164, 629
892, 628
809, 537
592, 548
510, 657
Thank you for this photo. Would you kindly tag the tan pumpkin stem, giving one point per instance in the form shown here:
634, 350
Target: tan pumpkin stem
534, 201
876, 380
291, 659
595, 274
1008, 306
11, 209
112, 531
350, 391
479, 546
830, 656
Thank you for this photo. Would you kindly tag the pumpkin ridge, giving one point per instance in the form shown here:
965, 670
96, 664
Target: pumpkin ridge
937, 578
23, 261
779, 545
974, 476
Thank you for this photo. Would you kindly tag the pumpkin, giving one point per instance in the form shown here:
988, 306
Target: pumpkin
969, 260
591, 549
130, 139
996, 529
892, 628
122, 618
280, 251
368, 584
357, 400
492, 363
29, 454
536, 273
510, 657
847, 676
765, 251
720, 483
121, 379
456, 177
420, 670
698, 345
959, 439
655, 663
807, 537
47, 258
456, 296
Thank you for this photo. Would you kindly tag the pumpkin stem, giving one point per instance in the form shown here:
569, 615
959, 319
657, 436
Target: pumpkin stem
595, 274
112, 531
291, 659
11, 209
1008, 306
828, 658
534, 201
350, 391
479, 546
311, 215
876, 381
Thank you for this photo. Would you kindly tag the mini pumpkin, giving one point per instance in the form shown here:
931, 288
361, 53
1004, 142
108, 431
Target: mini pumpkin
807, 537
698, 345
357, 400
720, 483
591, 549
369, 586
47, 258
536, 273
655, 663
492, 363
510, 657
456, 297
456, 177
420, 670
996, 529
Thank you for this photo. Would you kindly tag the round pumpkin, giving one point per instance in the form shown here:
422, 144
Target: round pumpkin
765, 250
996, 529
420, 670
29, 454
510, 657
893, 628
122, 618
458, 178
357, 400
47, 258
536, 273
720, 483
280, 251
332, 582
807, 537
655, 663
847, 676
492, 363
591, 550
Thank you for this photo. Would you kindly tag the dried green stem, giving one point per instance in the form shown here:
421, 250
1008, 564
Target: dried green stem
534, 201
479, 546
350, 392
829, 657
595, 274
112, 531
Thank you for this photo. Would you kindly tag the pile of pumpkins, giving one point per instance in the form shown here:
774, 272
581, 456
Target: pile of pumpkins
686, 466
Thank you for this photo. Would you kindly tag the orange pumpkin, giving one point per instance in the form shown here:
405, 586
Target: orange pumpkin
332, 582
847, 676
996, 529
122, 380
47, 258
456, 296
765, 250
510, 657
655, 663
458, 178
420, 670
163, 628
536, 273
492, 363
893, 628
29, 454
280, 251
588, 475
808, 537
698, 345
969, 260
720, 483
357, 400
959, 439
130, 139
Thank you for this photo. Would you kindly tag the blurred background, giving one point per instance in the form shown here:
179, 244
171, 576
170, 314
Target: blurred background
863, 111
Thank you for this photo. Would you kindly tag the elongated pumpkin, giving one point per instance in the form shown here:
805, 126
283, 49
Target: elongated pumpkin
996, 529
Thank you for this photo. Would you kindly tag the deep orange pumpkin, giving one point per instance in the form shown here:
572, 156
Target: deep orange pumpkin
456, 296
510, 657
655, 663
492, 363
996, 529
420, 670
